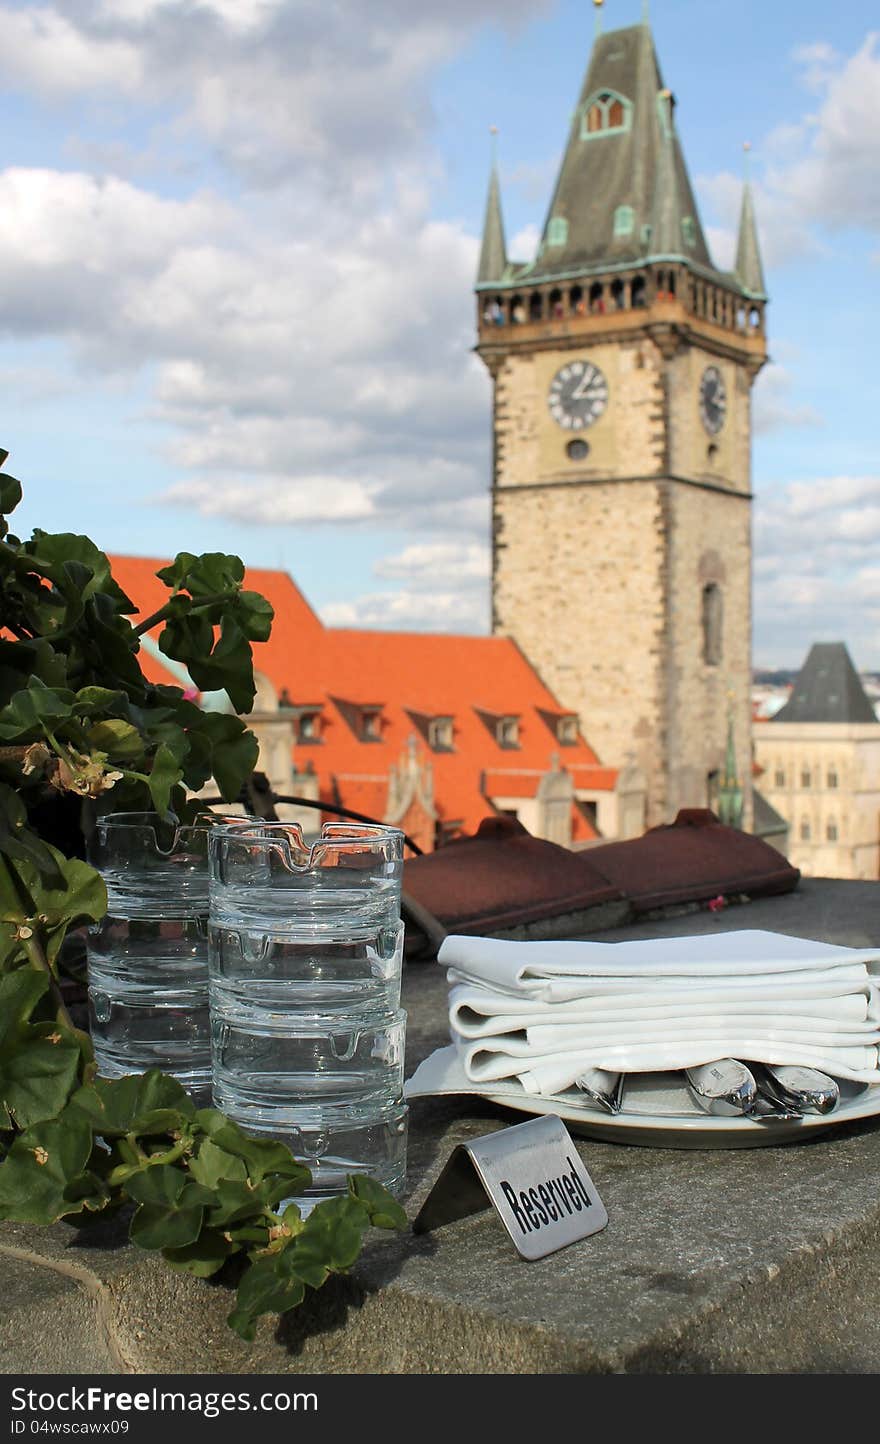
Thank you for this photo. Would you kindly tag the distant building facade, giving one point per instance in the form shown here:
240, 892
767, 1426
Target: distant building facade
428, 732
819, 757
622, 363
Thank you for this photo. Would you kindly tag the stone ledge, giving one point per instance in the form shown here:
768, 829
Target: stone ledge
713, 1261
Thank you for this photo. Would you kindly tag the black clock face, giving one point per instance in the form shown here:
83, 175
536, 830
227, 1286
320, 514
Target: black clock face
578, 395
713, 400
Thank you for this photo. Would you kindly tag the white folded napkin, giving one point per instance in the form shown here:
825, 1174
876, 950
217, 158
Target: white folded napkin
544, 1013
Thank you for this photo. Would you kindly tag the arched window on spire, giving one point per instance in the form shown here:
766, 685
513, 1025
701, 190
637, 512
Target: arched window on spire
605, 113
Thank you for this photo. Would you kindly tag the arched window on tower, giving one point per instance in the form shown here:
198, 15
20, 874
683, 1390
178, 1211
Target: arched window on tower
713, 616
536, 306
604, 114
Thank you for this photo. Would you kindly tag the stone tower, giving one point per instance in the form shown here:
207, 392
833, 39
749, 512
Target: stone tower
622, 362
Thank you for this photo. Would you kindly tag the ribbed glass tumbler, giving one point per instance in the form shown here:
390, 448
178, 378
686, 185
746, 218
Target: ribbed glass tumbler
305, 954
148, 958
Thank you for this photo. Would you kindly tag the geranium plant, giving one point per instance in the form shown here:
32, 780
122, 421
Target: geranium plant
82, 729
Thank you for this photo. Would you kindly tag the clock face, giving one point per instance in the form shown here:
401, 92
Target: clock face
713, 400
578, 395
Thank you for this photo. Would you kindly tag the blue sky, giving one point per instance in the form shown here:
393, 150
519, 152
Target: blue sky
236, 262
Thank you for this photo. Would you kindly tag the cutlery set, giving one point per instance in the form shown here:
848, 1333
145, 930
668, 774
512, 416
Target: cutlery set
727, 1088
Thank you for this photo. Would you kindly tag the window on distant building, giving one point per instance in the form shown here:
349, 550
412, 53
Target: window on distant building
688, 231
779, 777
606, 113
806, 777
507, 731
831, 830
805, 829
713, 617
832, 777
440, 734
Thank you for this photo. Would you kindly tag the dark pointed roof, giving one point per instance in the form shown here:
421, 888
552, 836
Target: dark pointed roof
749, 271
637, 164
828, 689
493, 252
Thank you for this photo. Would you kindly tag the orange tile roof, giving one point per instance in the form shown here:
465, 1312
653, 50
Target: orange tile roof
410, 674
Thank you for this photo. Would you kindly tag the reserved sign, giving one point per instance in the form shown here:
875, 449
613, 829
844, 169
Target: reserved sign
535, 1181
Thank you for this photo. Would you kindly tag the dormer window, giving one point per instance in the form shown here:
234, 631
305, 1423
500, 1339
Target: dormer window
688, 231
440, 734
507, 731
309, 727
557, 231
371, 724
605, 113
364, 719
567, 730
624, 221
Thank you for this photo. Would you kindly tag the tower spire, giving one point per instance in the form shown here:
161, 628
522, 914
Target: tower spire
493, 251
749, 271
597, 9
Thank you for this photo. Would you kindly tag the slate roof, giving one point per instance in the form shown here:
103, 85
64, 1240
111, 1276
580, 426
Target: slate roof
749, 271
641, 166
493, 251
828, 689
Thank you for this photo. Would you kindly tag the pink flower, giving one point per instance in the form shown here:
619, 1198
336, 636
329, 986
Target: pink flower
717, 903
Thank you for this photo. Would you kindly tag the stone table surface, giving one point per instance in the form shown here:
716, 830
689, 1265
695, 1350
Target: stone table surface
737, 1261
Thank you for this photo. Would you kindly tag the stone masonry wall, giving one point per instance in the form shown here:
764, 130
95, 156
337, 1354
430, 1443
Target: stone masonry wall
599, 565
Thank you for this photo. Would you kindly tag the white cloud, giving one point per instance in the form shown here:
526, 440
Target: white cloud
816, 576
423, 563
417, 610
819, 175
774, 406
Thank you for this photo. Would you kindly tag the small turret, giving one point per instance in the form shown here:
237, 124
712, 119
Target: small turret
749, 271
493, 252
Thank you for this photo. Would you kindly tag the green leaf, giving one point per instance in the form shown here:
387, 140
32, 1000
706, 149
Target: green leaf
119, 740
205, 575
43, 1175
20, 992
220, 747
37, 1073
204, 1257
261, 1155
74, 563
20, 842
330, 1240
164, 774
79, 897
172, 1208
211, 1164
383, 1209
144, 1104
24, 717
10, 492
266, 1288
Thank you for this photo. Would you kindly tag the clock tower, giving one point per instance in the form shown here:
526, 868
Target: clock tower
622, 362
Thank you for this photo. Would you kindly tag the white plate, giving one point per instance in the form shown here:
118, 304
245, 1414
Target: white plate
657, 1111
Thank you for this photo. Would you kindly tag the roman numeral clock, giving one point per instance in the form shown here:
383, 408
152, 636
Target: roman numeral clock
578, 395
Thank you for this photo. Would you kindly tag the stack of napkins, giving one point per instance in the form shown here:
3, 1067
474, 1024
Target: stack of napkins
545, 1013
